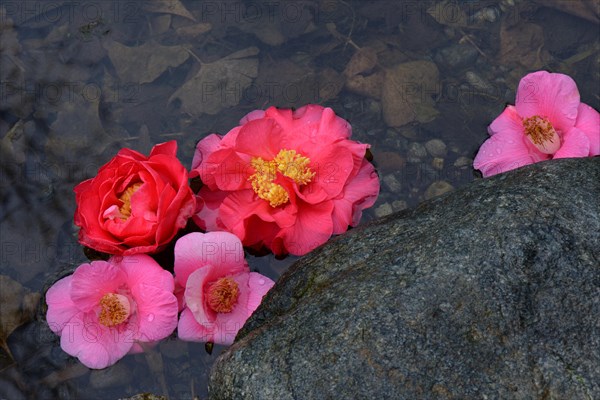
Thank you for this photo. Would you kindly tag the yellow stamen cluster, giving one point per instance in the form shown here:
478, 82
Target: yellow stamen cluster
286, 162
222, 295
294, 166
115, 309
539, 129
125, 198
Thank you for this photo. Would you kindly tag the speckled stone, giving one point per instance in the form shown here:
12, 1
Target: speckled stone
463, 162
399, 205
392, 183
416, 152
490, 291
383, 210
436, 189
436, 148
457, 56
438, 163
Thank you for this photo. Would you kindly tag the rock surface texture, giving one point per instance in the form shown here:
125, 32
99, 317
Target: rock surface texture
489, 292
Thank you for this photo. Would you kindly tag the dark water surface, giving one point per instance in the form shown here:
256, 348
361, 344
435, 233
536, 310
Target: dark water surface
80, 80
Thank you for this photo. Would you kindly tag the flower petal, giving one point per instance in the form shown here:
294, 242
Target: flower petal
190, 330
503, 152
207, 211
311, 126
313, 227
194, 295
333, 165
226, 169
360, 193
226, 326
508, 120
249, 217
259, 138
550, 95
168, 148
95, 345
204, 148
588, 121
575, 144
210, 157
252, 115
196, 250
179, 293
92, 281
61, 308
142, 269
258, 286
330, 126
157, 313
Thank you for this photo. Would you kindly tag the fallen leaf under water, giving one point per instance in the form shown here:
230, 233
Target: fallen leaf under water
168, 7
18, 308
220, 84
144, 63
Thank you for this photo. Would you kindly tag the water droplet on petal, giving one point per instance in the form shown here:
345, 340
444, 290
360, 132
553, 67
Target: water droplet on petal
150, 317
261, 281
498, 151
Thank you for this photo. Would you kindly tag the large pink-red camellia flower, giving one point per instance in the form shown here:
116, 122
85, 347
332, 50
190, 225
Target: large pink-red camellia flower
106, 308
220, 292
136, 204
548, 121
284, 179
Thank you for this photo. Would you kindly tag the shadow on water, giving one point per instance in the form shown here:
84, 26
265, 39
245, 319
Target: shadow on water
80, 80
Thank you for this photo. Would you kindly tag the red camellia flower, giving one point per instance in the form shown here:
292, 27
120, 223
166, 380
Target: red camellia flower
284, 179
136, 204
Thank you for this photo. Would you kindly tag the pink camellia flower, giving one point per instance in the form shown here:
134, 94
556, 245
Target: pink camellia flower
136, 204
284, 179
107, 308
220, 291
548, 121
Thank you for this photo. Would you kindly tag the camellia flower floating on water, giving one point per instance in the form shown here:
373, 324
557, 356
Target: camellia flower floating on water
106, 308
220, 291
284, 179
548, 121
136, 204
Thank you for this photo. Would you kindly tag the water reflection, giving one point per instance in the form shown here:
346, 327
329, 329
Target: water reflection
80, 80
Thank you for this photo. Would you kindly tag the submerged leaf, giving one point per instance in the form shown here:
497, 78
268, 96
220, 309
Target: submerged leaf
362, 75
191, 31
219, 84
407, 93
18, 307
449, 13
587, 9
523, 44
77, 130
363, 60
267, 33
13, 145
144, 63
168, 7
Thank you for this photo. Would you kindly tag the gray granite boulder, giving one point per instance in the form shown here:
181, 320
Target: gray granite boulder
489, 292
